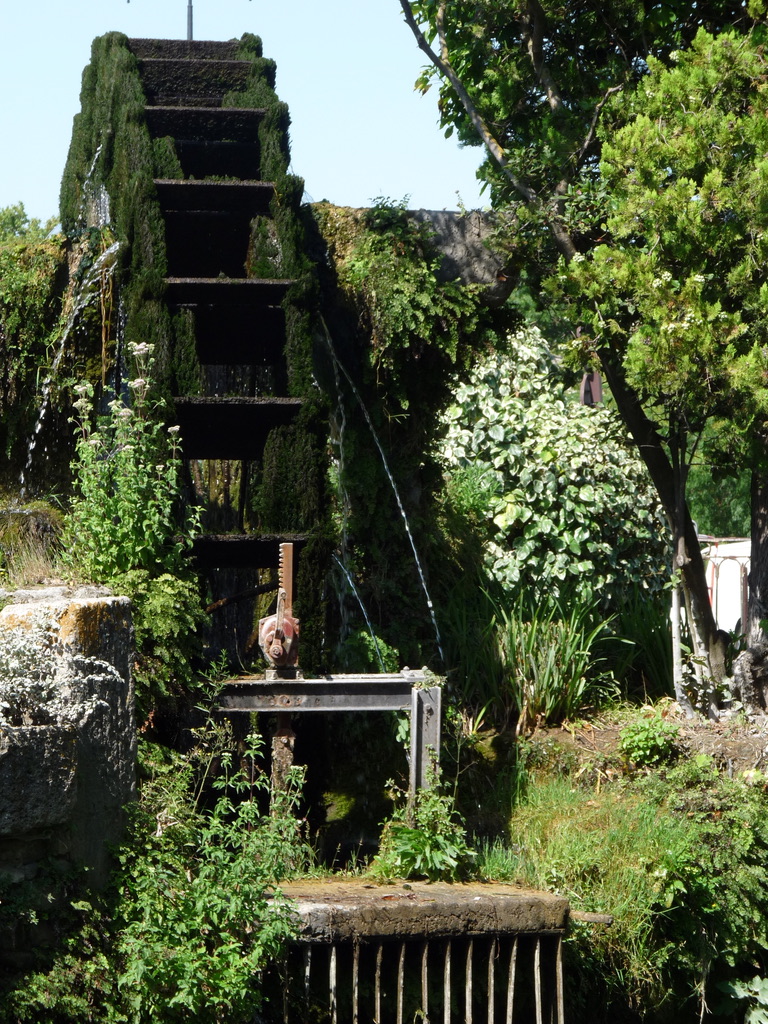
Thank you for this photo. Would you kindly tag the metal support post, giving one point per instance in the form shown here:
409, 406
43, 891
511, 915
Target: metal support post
425, 736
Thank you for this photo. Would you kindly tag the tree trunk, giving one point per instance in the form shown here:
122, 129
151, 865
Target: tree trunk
750, 671
758, 563
677, 658
687, 550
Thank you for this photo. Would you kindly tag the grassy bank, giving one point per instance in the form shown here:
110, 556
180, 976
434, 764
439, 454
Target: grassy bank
676, 852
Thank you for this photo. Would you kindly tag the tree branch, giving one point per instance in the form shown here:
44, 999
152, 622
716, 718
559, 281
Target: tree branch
444, 66
442, 62
590, 136
534, 23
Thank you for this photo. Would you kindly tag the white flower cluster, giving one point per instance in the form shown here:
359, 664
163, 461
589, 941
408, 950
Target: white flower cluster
140, 349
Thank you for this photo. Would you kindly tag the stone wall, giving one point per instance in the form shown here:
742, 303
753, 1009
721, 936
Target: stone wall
67, 729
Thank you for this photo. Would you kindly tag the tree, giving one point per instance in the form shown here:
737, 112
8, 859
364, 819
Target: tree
677, 292
537, 82
15, 225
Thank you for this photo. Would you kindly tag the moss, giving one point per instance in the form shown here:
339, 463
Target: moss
291, 494
32, 284
166, 160
112, 152
288, 486
187, 376
400, 333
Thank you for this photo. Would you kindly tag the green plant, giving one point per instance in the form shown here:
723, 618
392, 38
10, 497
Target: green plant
393, 269
641, 650
549, 660
363, 651
167, 622
194, 912
475, 674
424, 839
193, 935
31, 325
557, 497
125, 514
755, 991
649, 740
15, 225
678, 859
30, 541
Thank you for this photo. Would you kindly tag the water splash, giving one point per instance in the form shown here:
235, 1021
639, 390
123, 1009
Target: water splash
356, 592
94, 200
395, 491
86, 291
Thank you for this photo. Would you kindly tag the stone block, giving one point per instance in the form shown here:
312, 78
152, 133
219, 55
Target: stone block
72, 774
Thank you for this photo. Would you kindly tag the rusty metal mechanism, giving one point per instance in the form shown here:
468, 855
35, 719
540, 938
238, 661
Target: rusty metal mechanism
279, 633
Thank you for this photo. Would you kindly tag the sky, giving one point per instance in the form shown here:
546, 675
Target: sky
345, 68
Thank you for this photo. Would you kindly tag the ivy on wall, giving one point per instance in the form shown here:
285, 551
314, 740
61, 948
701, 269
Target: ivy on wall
397, 332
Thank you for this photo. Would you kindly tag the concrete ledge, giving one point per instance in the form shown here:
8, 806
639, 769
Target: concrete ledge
350, 910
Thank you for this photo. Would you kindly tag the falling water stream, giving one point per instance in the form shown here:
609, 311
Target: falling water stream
356, 592
94, 212
395, 490
105, 264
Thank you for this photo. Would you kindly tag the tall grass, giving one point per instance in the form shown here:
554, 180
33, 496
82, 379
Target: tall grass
475, 675
640, 651
526, 660
605, 854
550, 665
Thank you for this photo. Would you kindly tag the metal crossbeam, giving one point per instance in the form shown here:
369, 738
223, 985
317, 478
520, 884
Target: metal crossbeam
382, 692
398, 691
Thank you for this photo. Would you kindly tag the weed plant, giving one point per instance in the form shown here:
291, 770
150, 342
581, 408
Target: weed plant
127, 484
649, 740
127, 528
424, 838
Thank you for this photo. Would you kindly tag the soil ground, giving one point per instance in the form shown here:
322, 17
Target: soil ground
736, 743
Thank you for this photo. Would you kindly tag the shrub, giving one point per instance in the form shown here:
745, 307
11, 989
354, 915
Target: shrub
564, 506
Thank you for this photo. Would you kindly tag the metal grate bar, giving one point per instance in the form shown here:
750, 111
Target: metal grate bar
560, 985
400, 983
425, 980
491, 979
307, 978
537, 980
447, 984
355, 983
377, 984
468, 984
332, 986
511, 978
